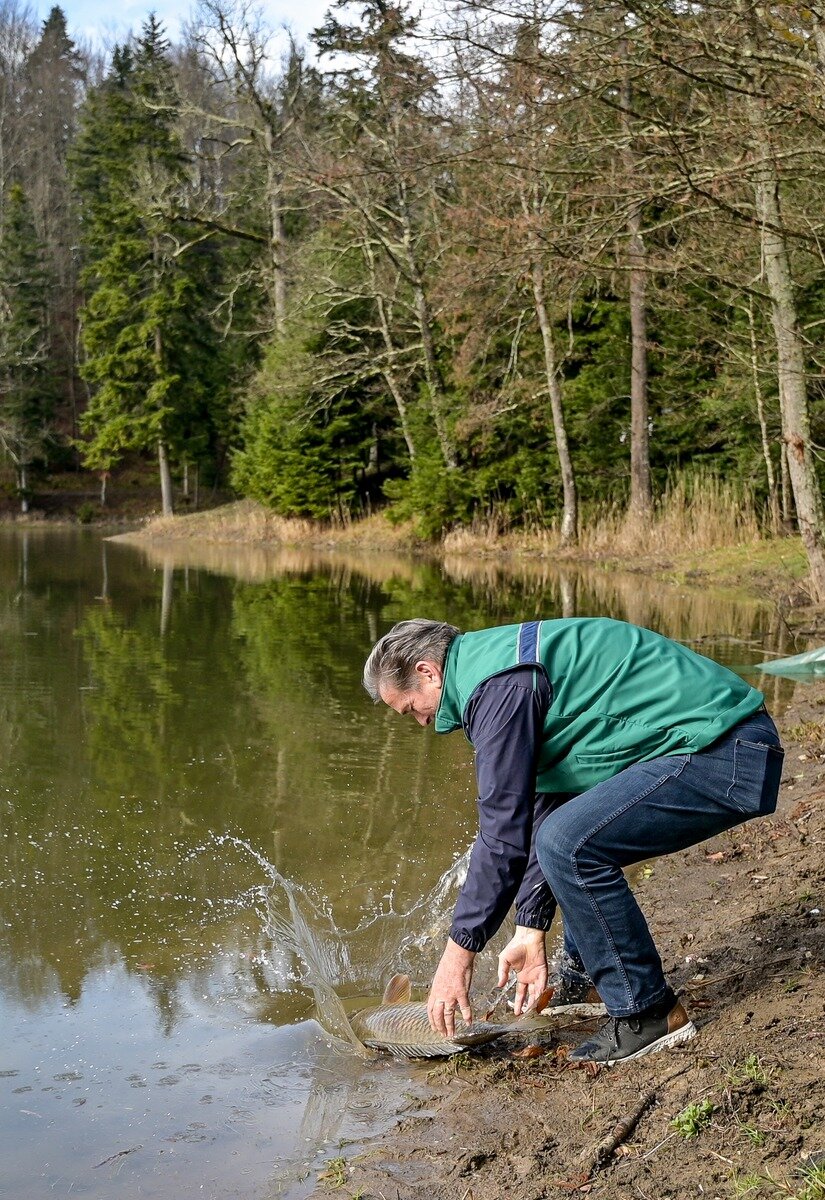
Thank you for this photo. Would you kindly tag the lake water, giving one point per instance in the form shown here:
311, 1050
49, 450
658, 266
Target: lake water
181, 728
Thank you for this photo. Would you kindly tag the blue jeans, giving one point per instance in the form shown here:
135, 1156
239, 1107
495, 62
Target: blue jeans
649, 809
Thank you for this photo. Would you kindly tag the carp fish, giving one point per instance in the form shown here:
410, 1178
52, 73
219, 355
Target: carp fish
400, 1025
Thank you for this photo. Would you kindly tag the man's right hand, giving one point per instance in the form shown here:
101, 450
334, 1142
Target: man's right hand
450, 990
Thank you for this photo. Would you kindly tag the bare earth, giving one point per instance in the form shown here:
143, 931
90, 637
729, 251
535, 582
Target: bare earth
740, 925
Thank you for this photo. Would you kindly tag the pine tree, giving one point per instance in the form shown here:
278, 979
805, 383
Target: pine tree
151, 355
53, 82
25, 386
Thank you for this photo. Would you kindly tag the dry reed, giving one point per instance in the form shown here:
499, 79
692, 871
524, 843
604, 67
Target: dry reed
697, 512
251, 524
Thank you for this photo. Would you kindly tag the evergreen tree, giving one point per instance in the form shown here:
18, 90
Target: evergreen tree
151, 354
25, 386
53, 82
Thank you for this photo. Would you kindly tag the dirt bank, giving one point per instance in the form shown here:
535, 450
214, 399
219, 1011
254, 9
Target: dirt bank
740, 925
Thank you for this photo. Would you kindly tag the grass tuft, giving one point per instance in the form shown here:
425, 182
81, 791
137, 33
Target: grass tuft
693, 1119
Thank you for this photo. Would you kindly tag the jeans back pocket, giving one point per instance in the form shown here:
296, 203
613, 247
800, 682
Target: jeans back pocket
757, 771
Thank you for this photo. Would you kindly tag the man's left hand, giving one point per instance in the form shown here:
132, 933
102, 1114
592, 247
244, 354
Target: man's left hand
450, 990
525, 954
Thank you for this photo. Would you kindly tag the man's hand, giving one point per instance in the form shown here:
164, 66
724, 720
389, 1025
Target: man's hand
450, 989
525, 954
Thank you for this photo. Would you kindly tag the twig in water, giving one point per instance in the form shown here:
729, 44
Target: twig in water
120, 1154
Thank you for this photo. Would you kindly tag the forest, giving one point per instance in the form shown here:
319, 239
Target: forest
506, 259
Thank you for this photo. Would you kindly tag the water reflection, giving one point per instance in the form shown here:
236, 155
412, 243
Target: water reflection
153, 697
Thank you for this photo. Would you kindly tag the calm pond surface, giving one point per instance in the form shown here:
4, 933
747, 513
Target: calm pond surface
180, 729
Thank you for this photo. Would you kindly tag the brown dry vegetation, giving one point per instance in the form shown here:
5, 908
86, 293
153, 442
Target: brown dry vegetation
710, 530
702, 517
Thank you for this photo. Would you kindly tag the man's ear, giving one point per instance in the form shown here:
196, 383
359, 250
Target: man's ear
425, 668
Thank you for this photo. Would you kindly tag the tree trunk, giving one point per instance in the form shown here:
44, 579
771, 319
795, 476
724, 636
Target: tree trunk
773, 496
818, 15
23, 487
570, 516
167, 506
790, 357
424, 321
787, 506
277, 233
570, 503
388, 371
641, 498
433, 377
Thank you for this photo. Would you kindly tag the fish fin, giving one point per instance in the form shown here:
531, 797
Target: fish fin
533, 1016
480, 1033
398, 990
543, 1000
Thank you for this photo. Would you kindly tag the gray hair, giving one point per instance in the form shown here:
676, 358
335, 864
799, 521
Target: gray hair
393, 658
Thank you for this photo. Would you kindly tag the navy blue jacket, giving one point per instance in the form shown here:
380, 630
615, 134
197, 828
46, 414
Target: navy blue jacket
504, 723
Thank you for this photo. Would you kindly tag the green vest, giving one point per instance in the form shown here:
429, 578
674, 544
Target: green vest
620, 694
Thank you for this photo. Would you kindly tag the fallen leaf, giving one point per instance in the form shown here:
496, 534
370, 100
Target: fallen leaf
590, 1068
534, 1051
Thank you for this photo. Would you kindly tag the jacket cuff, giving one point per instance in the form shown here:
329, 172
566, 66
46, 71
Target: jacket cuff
535, 920
468, 940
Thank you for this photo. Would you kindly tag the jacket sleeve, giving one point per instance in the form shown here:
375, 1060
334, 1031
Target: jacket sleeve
504, 722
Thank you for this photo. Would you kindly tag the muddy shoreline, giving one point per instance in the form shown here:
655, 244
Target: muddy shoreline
739, 921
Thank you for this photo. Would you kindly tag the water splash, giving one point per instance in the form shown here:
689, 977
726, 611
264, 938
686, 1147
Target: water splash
309, 950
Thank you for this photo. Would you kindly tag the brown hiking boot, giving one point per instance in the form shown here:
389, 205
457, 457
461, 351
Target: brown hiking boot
621, 1039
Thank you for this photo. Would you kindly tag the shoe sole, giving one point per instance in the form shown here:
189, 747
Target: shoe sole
684, 1034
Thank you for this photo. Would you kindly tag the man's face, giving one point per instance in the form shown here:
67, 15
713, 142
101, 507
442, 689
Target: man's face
420, 701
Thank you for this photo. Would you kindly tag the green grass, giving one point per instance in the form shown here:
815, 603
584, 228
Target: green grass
334, 1174
746, 1185
754, 1135
693, 1119
780, 557
813, 1187
812, 1184
749, 1071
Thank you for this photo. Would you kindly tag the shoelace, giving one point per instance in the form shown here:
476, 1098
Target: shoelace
610, 1030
